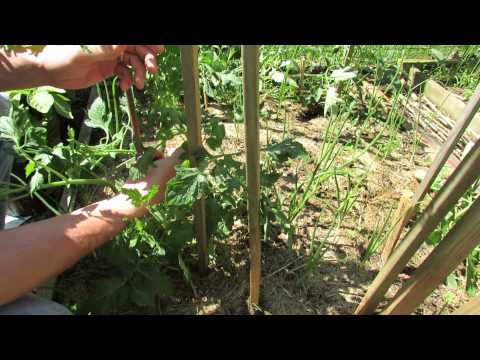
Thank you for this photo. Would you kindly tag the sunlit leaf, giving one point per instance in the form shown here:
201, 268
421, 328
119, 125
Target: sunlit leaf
41, 101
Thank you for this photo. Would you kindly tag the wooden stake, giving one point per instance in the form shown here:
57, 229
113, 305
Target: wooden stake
446, 256
415, 78
250, 101
455, 186
348, 55
399, 221
470, 308
189, 56
302, 72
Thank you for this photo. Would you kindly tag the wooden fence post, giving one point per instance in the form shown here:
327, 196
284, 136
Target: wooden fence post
189, 56
250, 101
455, 186
446, 256
399, 221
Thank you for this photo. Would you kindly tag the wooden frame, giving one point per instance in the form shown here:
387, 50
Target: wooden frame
446, 256
455, 186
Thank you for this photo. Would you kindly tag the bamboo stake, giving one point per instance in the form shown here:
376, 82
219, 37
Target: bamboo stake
302, 72
348, 55
461, 179
404, 207
470, 308
189, 56
446, 256
250, 101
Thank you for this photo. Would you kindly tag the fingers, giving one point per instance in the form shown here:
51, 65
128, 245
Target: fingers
172, 156
149, 57
139, 67
176, 154
159, 155
125, 76
141, 57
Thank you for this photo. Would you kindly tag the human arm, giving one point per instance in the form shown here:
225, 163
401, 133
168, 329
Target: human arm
33, 253
74, 67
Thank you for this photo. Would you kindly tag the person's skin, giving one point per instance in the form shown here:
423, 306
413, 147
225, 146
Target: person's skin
33, 253
71, 67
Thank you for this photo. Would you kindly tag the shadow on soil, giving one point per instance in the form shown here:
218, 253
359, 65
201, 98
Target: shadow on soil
333, 287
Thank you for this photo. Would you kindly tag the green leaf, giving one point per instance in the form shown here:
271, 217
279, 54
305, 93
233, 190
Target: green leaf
292, 82
52, 89
216, 131
155, 281
435, 237
188, 185
142, 298
41, 101
218, 220
43, 159
117, 254
29, 168
437, 54
97, 115
58, 151
319, 94
62, 106
97, 110
452, 282
7, 128
185, 269
286, 149
230, 78
343, 74
134, 195
277, 76
133, 241
108, 286
36, 181
140, 169
180, 235
71, 133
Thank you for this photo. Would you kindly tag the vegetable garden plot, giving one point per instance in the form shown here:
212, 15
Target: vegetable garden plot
333, 165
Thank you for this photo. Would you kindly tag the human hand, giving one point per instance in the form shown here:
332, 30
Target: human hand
71, 67
159, 174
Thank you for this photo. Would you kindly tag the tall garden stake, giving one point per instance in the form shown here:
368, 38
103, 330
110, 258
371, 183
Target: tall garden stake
189, 56
250, 103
